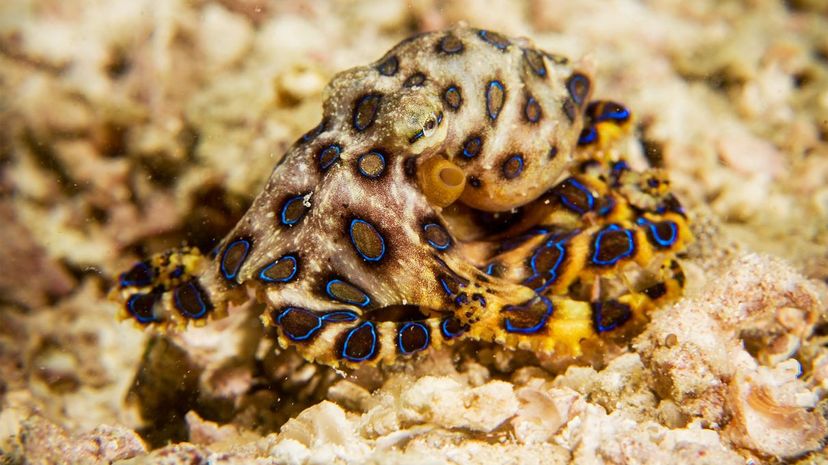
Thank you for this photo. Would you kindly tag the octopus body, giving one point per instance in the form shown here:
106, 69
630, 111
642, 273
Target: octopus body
462, 186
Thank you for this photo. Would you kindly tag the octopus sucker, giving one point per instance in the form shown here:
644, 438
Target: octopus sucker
464, 186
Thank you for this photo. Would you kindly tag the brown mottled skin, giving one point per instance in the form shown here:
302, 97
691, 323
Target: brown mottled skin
367, 241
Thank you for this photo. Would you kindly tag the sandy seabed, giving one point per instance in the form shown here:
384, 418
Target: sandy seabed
130, 126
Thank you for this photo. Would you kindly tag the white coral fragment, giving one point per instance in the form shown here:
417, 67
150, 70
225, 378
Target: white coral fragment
449, 404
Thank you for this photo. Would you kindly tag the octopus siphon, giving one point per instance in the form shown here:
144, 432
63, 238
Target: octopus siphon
464, 186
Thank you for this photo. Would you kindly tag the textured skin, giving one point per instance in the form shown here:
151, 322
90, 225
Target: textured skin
356, 264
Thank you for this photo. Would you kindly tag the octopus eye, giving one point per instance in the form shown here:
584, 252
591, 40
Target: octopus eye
428, 129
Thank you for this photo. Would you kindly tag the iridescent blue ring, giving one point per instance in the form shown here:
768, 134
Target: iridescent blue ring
308, 334
348, 340
537, 327
407, 325
363, 303
263, 273
230, 275
614, 260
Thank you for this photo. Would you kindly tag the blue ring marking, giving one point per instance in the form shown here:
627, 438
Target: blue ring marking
444, 330
571, 205
382, 240
305, 336
145, 279
597, 309
654, 233
442, 45
620, 166
415, 80
374, 112
263, 273
389, 66
348, 339
434, 244
466, 152
538, 71
363, 303
325, 165
180, 307
519, 169
607, 207
611, 111
489, 270
402, 330
529, 102
339, 316
533, 329
456, 90
621, 114
672, 204
177, 272
572, 86
588, 135
231, 275
553, 270
485, 36
499, 85
446, 288
374, 152
597, 246
288, 203
134, 299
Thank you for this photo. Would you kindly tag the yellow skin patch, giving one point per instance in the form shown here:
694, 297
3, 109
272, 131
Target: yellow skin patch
462, 186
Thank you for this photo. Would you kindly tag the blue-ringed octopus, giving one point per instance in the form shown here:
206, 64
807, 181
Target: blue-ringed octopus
464, 186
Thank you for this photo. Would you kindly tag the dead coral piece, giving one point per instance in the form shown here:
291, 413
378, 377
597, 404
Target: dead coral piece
23, 254
773, 412
325, 429
44, 442
446, 403
708, 373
